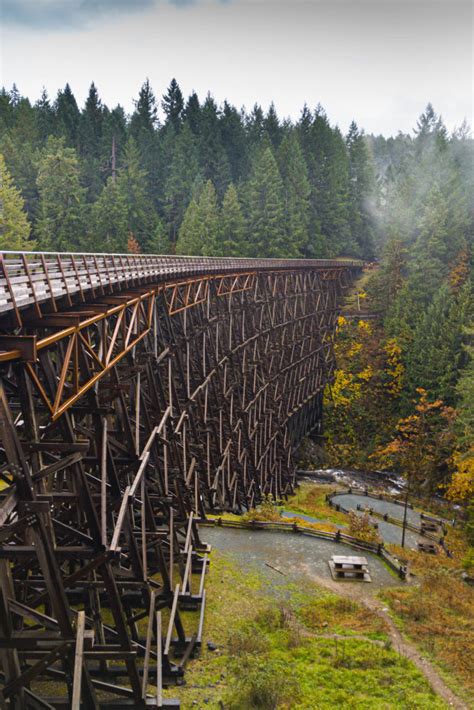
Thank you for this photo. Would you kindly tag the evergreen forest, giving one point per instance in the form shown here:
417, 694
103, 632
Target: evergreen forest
215, 180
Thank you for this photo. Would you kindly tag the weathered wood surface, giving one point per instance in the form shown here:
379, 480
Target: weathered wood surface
157, 389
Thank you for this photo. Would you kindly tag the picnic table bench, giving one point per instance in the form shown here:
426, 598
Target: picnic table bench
349, 567
428, 547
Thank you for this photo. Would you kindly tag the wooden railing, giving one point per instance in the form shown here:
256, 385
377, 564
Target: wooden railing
29, 279
336, 536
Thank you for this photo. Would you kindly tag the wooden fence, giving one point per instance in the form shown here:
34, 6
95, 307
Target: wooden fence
337, 536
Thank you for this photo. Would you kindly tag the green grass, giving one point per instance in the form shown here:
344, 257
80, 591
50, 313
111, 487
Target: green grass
438, 615
271, 653
310, 499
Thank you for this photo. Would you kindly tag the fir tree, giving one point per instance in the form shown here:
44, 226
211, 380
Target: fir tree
67, 116
89, 138
20, 159
189, 239
159, 242
142, 128
265, 209
254, 126
90, 127
198, 234
14, 225
144, 117
110, 220
271, 125
44, 113
297, 192
361, 192
232, 131
113, 140
61, 210
429, 263
183, 169
173, 105
232, 232
192, 113
133, 188
435, 355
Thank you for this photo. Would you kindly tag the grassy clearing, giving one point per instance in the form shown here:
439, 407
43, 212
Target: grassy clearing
438, 615
277, 654
310, 499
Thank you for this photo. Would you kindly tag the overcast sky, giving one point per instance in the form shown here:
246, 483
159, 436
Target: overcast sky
376, 61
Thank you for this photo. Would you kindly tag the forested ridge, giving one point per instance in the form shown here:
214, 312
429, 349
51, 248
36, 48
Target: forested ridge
208, 179
216, 180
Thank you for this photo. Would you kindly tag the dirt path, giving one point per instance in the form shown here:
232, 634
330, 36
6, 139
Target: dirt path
404, 647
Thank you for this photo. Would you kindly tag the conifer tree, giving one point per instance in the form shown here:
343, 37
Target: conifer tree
14, 225
173, 105
20, 159
113, 139
232, 232
90, 128
429, 263
109, 220
254, 126
6, 110
44, 114
192, 113
89, 140
182, 172
198, 234
211, 152
143, 122
361, 192
435, 355
61, 210
232, 131
265, 209
144, 117
67, 115
297, 192
159, 242
328, 168
272, 127
133, 188
189, 241
386, 284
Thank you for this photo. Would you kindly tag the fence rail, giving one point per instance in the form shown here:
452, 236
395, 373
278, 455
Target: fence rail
29, 279
388, 518
337, 536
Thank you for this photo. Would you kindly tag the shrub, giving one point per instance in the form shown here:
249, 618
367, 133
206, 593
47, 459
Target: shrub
361, 528
266, 511
247, 640
262, 683
468, 561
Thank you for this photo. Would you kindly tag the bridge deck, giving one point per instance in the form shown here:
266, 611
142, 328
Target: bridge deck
29, 279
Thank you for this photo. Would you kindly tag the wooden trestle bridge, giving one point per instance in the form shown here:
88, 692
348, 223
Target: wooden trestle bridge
138, 393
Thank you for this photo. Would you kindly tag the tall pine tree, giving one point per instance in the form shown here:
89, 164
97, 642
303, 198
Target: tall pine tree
297, 191
14, 225
265, 209
232, 232
61, 211
199, 231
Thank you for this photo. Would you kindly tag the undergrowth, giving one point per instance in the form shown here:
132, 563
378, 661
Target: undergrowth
310, 499
289, 655
438, 614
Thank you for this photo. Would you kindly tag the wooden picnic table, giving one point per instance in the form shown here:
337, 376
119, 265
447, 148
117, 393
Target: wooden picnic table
349, 562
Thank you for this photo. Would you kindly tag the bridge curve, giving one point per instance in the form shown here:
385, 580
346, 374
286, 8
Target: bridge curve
137, 394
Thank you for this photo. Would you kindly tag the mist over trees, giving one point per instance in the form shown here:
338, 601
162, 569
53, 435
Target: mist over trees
215, 180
